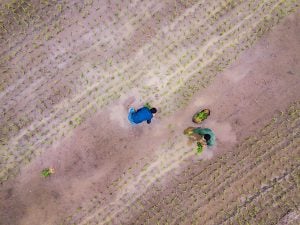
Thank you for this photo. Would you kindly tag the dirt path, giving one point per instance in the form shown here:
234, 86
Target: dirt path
105, 163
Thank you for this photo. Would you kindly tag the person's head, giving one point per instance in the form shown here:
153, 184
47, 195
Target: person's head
206, 137
153, 110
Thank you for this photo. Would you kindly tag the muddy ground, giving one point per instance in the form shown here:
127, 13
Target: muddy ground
262, 82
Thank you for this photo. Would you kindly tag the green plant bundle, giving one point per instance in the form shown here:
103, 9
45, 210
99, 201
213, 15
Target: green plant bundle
199, 147
47, 172
200, 116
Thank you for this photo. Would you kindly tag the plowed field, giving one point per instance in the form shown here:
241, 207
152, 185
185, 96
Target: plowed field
70, 70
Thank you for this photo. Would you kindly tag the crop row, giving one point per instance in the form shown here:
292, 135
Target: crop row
28, 60
93, 45
197, 185
202, 77
62, 117
36, 63
151, 52
29, 18
272, 203
42, 85
26, 119
41, 91
202, 188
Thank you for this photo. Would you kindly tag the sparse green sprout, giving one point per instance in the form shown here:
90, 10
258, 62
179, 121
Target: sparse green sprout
59, 7
47, 172
78, 120
148, 105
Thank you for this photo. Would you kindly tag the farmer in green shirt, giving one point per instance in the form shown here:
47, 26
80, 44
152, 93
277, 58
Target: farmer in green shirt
203, 136
207, 134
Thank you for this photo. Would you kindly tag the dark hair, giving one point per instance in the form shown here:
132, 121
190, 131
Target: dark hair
153, 110
206, 137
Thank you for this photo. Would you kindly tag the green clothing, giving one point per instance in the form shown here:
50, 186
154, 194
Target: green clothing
203, 131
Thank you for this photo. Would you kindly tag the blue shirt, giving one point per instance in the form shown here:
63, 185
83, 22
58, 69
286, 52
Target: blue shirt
143, 114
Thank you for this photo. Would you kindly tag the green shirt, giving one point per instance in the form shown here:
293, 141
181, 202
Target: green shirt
203, 131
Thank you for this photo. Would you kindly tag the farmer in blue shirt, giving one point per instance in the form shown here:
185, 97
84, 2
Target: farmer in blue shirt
142, 114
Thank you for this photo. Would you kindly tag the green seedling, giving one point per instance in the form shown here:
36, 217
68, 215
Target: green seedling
200, 116
148, 105
199, 148
47, 172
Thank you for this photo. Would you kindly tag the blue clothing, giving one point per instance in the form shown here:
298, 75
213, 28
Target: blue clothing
131, 111
143, 114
